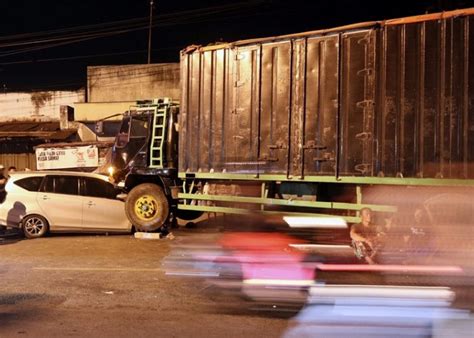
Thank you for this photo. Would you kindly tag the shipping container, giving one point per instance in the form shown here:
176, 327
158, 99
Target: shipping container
377, 114
390, 99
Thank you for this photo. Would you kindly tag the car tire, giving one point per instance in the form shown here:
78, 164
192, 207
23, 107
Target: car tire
34, 226
147, 207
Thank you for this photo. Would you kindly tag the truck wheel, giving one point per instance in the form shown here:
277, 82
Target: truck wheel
147, 207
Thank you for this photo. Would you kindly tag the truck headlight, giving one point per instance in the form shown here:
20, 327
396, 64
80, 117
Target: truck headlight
111, 170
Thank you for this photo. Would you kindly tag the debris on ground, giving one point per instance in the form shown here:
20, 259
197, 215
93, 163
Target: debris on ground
154, 235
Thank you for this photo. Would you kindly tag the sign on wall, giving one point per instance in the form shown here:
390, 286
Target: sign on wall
62, 158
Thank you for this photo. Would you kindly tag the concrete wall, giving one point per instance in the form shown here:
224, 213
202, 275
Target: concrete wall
133, 82
37, 105
100, 110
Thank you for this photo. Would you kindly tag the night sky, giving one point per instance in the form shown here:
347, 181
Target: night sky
47, 44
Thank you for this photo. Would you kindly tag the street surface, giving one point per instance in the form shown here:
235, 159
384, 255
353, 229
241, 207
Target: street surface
117, 286
113, 286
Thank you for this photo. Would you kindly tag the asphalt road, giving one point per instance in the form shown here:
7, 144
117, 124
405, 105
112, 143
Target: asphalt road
117, 286
113, 286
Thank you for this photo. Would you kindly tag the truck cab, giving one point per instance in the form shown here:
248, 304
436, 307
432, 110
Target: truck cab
144, 158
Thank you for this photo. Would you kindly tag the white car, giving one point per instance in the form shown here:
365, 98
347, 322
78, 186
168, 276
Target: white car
38, 202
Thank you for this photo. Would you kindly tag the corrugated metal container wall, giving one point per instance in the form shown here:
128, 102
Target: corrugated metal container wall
20, 161
388, 99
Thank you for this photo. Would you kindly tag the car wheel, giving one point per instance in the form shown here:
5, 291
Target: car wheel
34, 226
147, 207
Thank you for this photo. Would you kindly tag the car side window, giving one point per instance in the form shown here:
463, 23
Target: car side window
67, 185
30, 183
48, 185
98, 188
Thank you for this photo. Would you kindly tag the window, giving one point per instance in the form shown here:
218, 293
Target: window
139, 127
67, 185
98, 188
124, 133
30, 183
48, 185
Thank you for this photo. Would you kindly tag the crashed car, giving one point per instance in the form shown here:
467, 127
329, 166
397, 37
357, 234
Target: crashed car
42, 202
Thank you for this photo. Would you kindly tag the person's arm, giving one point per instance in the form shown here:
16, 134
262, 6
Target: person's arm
3, 180
358, 237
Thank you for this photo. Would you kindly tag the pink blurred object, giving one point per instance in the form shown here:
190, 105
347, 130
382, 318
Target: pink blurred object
268, 256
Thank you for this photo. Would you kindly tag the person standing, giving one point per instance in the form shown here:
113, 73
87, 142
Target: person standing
3, 193
3, 183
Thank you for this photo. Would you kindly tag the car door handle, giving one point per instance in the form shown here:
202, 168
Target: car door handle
90, 203
45, 197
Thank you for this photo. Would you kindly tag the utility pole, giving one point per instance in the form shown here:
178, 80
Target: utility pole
149, 31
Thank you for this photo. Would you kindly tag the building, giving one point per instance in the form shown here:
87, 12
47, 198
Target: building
35, 125
28, 119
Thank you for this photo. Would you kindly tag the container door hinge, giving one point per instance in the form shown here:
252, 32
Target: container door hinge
268, 159
324, 158
313, 145
364, 136
278, 145
363, 168
365, 72
365, 104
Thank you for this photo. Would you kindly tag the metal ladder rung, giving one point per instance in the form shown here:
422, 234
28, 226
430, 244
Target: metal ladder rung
156, 146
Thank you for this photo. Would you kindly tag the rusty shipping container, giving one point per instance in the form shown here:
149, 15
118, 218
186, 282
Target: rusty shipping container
379, 99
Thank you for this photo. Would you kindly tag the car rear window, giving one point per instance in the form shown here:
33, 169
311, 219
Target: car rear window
30, 183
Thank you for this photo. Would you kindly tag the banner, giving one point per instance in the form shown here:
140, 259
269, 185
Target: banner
63, 158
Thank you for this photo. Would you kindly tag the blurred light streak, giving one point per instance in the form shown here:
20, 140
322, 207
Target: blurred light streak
309, 247
378, 291
278, 282
193, 274
315, 222
390, 268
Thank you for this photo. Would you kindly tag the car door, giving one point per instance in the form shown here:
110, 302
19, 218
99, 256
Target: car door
101, 209
60, 202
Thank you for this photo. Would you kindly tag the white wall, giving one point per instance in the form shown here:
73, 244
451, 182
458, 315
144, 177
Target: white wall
37, 105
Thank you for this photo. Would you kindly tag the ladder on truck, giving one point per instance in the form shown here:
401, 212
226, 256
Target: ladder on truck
158, 138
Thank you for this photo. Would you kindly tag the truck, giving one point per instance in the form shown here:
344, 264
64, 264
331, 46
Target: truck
308, 124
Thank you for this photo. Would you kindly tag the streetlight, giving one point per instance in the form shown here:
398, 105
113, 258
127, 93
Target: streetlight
149, 31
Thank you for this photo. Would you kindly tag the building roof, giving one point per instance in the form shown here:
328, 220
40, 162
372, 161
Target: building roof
99, 144
32, 129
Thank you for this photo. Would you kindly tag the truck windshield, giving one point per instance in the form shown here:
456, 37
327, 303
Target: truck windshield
139, 127
123, 135
135, 127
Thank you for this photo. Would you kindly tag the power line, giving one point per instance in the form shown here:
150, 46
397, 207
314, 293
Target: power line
79, 31
79, 57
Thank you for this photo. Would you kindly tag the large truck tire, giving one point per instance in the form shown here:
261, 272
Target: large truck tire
147, 207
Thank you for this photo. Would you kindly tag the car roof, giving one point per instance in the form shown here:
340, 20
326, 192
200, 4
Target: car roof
23, 174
